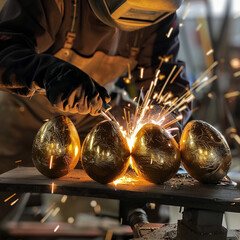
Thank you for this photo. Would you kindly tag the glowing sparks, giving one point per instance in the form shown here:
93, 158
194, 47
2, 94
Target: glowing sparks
166, 104
52, 187
209, 52
186, 11
236, 74
18, 161
93, 203
169, 32
55, 211
64, 198
232, 94
46, 216
181, 25
71, 220
9, 197
56, 228
141, 72
12, 203
235, 63
198, 27
125, 180
97, 209
51, 162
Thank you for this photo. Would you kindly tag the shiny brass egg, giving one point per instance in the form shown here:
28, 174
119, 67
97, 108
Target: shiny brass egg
105, 153
204, 151
56, 147
155, 154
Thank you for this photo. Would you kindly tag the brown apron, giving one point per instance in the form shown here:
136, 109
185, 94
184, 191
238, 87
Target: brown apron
102, 68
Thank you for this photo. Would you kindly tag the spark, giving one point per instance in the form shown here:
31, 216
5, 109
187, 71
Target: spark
51, 162
55, 211
52, 188
179, 70
9, 197
64, 198
46, 216
125, 180
71, 220
198, 27
56, 228
169, 32
182, 108
97, 209
206, 83
186, 11
181, 25
93, 203
232, 94
209, 52
236, 199
235, 63
141, 72
18, 161
236, 74
178, 118
14, 202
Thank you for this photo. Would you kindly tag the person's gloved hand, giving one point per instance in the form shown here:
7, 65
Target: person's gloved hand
71, 90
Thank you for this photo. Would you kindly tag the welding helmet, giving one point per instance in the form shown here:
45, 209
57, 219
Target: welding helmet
130, 15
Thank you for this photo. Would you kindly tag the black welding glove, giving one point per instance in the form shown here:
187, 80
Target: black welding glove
24, 72
71, 90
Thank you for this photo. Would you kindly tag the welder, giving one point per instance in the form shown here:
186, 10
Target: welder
66, 57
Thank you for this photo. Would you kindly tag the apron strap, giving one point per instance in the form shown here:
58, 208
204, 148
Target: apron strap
71, 35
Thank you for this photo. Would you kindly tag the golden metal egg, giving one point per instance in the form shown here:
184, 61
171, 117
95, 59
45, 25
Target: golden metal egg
205, 153
56, 147
155, 153
105, 153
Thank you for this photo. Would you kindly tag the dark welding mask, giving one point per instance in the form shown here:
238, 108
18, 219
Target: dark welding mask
130, 15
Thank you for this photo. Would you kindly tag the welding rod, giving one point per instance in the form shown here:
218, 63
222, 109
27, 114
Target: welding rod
105, 112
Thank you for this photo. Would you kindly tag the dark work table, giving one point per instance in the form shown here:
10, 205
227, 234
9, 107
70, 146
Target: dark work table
182, 190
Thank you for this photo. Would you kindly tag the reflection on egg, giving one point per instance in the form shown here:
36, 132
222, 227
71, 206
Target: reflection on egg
56, 147
155, 153
105, 153
204, 151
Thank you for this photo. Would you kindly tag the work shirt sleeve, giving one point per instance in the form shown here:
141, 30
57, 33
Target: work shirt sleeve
160, 41
27, 28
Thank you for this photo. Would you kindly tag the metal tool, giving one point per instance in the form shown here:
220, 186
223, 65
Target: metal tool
105, 112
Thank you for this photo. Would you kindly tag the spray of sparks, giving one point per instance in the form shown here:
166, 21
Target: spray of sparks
157, 107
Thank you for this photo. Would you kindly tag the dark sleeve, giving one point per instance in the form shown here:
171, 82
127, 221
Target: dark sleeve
27, 29
155, 46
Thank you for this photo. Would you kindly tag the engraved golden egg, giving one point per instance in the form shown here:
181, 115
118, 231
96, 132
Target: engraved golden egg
105, 153
56, 147
155, 154
204, 151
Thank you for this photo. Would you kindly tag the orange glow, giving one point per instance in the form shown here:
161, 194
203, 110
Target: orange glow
9, 197
52, 188
235, 63
51, 162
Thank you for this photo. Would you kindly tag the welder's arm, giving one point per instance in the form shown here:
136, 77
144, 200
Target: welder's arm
23, 70
156, 45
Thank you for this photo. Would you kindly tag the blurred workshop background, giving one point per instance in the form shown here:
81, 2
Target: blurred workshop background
209, 32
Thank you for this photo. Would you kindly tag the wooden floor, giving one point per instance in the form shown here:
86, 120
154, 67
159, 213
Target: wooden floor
181, 190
